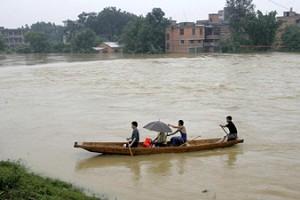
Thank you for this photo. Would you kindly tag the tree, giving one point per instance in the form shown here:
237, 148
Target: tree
53, 32
146, 35
131, 37
38, 42
2, 44
261, 28
156, 25
83, 41
108, 24
249, 27
238, 13
71, 29
291, 38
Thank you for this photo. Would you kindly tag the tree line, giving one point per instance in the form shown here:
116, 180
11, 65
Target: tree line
138, 34
146, 34
253, 28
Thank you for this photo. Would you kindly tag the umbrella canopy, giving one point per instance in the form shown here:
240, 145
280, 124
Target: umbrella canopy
158, 126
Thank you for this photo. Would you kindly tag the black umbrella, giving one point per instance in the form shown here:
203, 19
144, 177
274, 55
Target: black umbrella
158, 126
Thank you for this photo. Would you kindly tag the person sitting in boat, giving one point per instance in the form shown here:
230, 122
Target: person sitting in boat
160, 140
134, 140
232, 129
179, 140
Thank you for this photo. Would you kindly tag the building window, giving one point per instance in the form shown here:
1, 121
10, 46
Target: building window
182, 31
168, 36
194, 31
201, 31
192, 41
181, 41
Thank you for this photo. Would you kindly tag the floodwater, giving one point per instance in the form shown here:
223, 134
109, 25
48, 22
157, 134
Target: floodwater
48, 102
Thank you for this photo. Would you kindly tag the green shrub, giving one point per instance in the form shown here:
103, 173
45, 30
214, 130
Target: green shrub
10, 175
16, 183
291, 38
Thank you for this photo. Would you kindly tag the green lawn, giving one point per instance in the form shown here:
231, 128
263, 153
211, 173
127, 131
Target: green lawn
17, 183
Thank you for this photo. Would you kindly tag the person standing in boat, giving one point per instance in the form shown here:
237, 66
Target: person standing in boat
135, 136
179, 140
233, 134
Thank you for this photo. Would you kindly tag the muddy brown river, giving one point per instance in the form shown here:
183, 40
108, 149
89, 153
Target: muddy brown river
49, 101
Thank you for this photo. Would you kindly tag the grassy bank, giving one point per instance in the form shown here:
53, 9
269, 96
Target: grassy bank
17, 183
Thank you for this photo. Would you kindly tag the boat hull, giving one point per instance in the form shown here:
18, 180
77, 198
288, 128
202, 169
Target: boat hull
119, 149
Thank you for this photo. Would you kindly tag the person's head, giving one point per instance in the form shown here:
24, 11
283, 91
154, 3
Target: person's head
180, 123
228, 118
134, 124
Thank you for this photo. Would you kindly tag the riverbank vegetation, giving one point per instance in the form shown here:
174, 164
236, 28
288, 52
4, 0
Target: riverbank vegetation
291, 38
17, 183
249, 27
146, 34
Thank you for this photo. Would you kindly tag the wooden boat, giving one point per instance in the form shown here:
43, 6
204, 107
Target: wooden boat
119, 149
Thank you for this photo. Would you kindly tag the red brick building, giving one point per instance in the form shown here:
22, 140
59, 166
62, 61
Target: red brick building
186, 37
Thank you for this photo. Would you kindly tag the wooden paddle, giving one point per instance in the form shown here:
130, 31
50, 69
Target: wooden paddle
223, 139
129, 147
224, 130
130, 151
190, 140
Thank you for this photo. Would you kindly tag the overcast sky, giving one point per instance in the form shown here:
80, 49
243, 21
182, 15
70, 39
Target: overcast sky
15, 13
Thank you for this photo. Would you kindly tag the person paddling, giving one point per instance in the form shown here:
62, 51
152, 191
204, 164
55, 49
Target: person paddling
233, 134
134, 140
179, 140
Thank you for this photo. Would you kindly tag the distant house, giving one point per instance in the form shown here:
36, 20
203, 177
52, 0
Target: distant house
216, 29
186, 37
108, 47
204, 35
13, 37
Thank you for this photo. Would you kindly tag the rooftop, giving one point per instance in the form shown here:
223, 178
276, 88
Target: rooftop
112, 44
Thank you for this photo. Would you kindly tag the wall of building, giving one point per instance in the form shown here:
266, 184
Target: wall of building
185, 38
214, 18
13, 37
207, 37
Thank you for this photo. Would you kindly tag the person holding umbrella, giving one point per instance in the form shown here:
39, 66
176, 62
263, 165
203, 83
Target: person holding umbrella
179, 140
162, 129
160, 140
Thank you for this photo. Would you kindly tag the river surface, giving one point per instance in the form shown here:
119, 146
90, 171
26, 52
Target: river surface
48, 102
